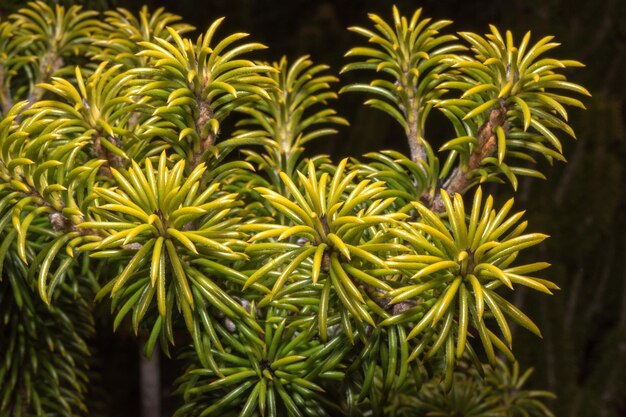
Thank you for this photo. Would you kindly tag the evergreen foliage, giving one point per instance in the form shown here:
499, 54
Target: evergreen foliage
166, 177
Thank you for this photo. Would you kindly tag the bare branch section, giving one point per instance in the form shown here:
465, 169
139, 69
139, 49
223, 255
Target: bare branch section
59, 221
50, 63
418, 152
461, 178
112, 160
205, 114
379, 296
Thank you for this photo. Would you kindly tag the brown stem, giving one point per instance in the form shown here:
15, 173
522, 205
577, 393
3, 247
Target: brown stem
460, 179
418, 153
380, 297
51, 62
205, 114
58, 221
112, 160
411, 115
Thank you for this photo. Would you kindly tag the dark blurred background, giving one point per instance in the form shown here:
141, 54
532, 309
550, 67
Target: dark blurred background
582, 357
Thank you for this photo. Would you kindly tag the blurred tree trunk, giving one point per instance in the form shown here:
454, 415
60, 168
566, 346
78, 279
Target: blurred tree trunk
150, 380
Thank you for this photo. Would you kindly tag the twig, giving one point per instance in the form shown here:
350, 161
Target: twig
205, 114
51, 62
460, 179
380, 297
112, 160
411, 115
418, 152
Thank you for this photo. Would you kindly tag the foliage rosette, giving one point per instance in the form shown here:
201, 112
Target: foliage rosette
45, 41
458, 263
291, 116
125, 31
411, 53
513, 100
155, 224
499, 392
193, 87
335, 239
285, 369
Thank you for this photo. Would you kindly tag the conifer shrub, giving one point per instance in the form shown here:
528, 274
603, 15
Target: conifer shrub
163, 174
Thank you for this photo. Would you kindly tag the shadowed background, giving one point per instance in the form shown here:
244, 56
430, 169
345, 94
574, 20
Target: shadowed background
582, 357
